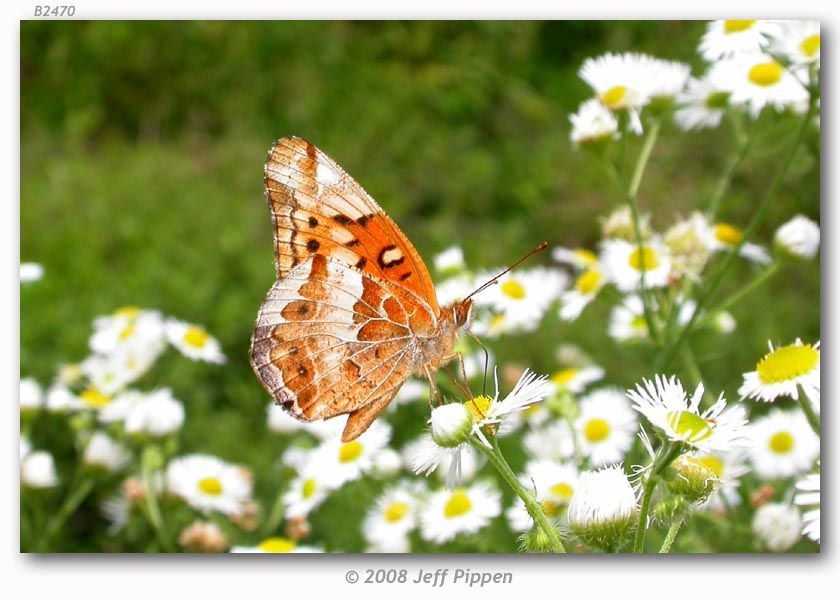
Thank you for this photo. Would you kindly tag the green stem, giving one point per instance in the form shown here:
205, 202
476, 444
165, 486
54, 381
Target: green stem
722, 184
153, 509
810, 414
671, 535
78, 492
274, 517
668, 352
534, 508
753, 285
644, 155
664, 457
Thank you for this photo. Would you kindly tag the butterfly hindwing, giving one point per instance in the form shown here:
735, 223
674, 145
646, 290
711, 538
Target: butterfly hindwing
331, 339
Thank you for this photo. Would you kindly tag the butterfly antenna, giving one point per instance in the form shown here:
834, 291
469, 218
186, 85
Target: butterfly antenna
495, 279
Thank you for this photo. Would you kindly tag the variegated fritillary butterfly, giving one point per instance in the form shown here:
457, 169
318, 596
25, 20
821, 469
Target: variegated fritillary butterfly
353, 313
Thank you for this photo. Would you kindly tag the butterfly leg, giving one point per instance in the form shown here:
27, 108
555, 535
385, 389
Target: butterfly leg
435, 394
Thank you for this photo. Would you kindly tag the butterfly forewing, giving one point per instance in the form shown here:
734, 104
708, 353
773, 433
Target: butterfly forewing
337, 333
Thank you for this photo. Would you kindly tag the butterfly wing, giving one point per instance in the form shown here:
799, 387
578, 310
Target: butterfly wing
331, 339
317, 208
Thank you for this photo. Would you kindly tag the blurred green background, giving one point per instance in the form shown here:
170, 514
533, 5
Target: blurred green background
142, 145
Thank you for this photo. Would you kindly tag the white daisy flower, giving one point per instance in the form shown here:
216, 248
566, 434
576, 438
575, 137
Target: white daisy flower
579, 258
463, 510
553, 485
782, 444
61, 398
116, 409
575, 379
688, 243
585, 288
603, 507
487, 411
454, 466
667, 78
451, 424
798, 238
554, 442
110, 373
391, 518
116, 511
777, 526
666, 405
31, 395
276, 545
194, 342
25, 447
209, 484
128, 328
723, 236
30, 272
728, 38
782, 370
37, 470
808, 496
759, 80
702, 104
624, 263
411, 391
350, 460
621, 82
797, 41
523, 297
606, 426
317, 478
103, 452
728, 467
454, 288
593, 122
450, 260
627, 320
158, 414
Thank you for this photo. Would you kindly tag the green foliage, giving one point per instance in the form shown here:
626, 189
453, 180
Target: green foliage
142, 146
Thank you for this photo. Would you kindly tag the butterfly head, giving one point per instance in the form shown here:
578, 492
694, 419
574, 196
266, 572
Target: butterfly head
462, 313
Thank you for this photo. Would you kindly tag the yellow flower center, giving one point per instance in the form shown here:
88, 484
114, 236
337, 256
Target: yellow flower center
596, 430
638, 323
727, 234
646, 256
787, 363
717, 100
713, 463
766, 74
614, 97
127, 312
309, 487
550, 508
689, 426
781, 442
478, 406
513, 289
588, 281
562, 377
496, 321
810, 46
458, 504
350, 451
210, 486
562, 490
127, 332
276, 544
734, 26
196, 336
396, 511
94, 398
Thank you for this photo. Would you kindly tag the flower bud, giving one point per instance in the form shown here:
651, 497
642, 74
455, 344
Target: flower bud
203, 537
603, 508
692, 479
451, 424
777, 526
535, 541
798, 239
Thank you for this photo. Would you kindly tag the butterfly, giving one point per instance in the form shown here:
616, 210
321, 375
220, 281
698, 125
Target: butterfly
353, 312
